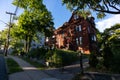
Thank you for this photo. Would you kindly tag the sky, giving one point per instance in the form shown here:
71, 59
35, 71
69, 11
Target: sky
59, 12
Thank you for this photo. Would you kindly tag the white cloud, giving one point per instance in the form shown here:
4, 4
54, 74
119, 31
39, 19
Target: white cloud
107, 23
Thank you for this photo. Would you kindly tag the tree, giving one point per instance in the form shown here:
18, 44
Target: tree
110, 45
111, 37
100, 6
35, 18
3, 38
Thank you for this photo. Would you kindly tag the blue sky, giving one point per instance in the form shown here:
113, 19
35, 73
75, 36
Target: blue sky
59, 12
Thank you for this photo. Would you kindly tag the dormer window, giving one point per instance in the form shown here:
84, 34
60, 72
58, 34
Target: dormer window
76, 16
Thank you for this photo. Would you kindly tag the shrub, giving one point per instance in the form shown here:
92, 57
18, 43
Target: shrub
15, 52
93, 61
38, 53
107, 56
115, 66
61, 57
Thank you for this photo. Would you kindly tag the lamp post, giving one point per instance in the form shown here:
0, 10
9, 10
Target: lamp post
81, 62
46, 42
53, 42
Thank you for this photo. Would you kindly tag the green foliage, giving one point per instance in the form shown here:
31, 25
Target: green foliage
3, 36
108, 57
57, 60
35, 18
99, 6
11, 68
38, 53
109, 43
61, 57
115, 66
16, 51
93, 61
111, 38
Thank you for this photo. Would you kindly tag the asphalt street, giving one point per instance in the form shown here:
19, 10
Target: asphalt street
3, 70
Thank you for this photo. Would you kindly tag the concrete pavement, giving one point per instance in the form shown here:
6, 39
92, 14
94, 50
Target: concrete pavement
30, 72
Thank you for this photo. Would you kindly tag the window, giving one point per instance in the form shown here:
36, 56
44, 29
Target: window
78, 28
80, 39
88, 29
93, 37
76, 16
77, 41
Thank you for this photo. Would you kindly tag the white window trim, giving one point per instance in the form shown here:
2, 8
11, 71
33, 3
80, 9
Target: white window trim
77, 41
80, 28
80, 39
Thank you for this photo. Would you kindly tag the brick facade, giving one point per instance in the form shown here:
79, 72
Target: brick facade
77, 33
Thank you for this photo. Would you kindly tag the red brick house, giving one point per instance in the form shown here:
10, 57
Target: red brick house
77, 34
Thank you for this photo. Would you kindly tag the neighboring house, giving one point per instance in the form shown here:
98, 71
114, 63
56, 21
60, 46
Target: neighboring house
39, 42
77, 34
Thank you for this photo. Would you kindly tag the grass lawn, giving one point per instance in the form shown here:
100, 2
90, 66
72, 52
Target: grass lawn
13, 67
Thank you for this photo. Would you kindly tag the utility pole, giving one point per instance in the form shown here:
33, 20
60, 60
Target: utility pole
8, 34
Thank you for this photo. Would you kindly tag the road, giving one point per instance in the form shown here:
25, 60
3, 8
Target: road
3, 70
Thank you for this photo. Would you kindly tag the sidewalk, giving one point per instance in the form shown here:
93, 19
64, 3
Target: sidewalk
29, 73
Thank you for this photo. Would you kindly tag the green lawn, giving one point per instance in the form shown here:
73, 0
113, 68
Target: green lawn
13, 67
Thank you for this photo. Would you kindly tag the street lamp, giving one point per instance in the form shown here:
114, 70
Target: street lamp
46, 41
81, 62
53, 41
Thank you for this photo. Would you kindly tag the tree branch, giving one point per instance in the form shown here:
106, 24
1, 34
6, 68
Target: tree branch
106, 5
113, 6
111, 12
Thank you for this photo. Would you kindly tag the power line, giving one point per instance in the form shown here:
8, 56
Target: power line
16, 10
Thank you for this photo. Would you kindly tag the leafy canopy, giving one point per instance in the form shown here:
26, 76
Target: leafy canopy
100, 6
35, 17
111, 38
